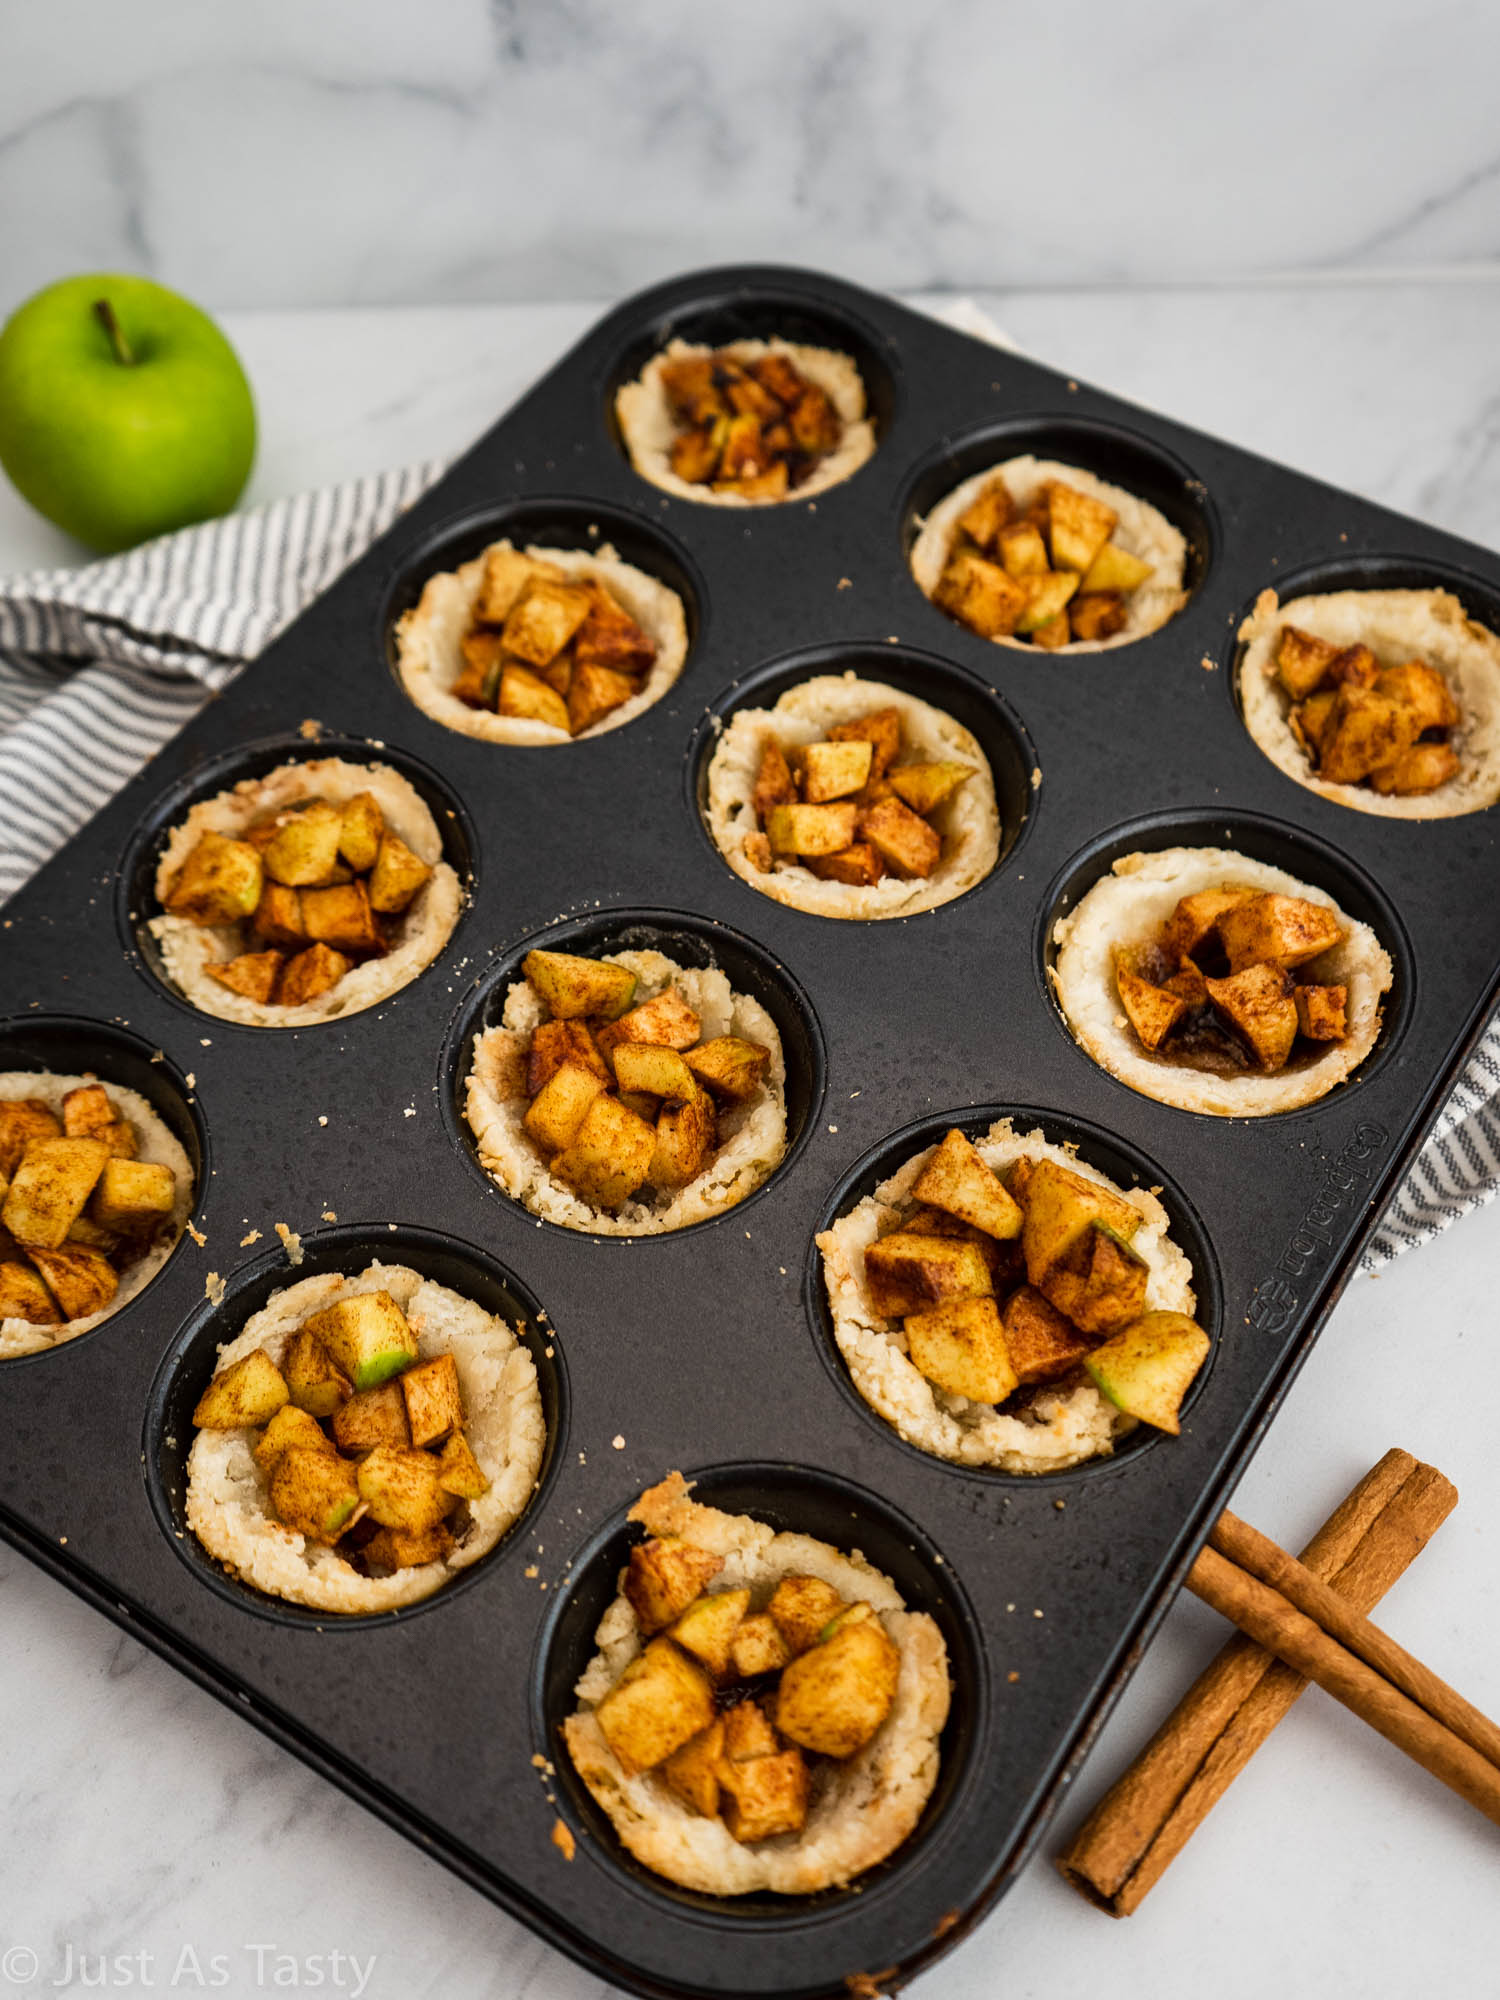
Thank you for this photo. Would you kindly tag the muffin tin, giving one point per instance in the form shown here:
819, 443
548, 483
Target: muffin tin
709, 1349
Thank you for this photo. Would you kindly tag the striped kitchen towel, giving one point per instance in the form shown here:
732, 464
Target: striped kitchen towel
100, 666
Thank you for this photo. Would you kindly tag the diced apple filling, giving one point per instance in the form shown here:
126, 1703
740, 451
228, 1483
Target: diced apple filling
545, 648
736, 1694
1050, 574
311, 892
1229, 981
1363, 724
77, 1208
1005, 1289
621, 1096
845, 810
361, 1442
754, 428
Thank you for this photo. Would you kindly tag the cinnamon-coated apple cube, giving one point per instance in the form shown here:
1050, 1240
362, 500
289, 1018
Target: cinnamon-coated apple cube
407, 1548
858, 866
314, 1493
957, 1180
304, 851
459, 1471
527, 696
1100, 1284
924, 787
82, 1281
1053, 633
1023, 553
1096, 614
49, 1188
558, 1109
289, 1429
24, 1296
609, 637
833, 770
693, 1771
1354, 667
773, 784
544, 618
833, 1698
573, 986
707, 1628
800, 1607
311, 974
87, 1112
661, 1701
1152, 1011
685, 1138
1194, 921
1147, 1367
1302, 661
758, 1647
372, 1417
1061, 1207
987, 513
1258, 1004
219, 883
1422, 768
484, 657
248, 1392
960, 1347
401, 1488
361, 826
610, 1154
645, 1066
1046, 596
1114, 570
507, 573
1042, 1343
1080, 526
815, 422
907, 1273
903, 840
663, 1576
313, 1381
595, 692
695, 453
555, 1042
23, 1119
131, 1196
1322, 1012
731, 1066
814, 829
397, 876
981, 595
367, 1336
665, 1020
881, 729
277, 919
1278, 930
772, 484
434, 1400
254, 974
761, 1797
1423, 690
1364, 731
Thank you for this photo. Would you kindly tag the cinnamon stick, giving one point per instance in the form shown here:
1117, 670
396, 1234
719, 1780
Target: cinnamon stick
1295, 1638
1146, 1818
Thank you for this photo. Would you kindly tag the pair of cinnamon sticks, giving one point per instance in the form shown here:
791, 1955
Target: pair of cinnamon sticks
1299, 1621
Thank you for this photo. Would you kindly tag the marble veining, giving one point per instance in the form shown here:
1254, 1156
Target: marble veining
372, 152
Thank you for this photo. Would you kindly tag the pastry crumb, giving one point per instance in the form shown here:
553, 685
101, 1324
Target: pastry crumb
214, 1289
291, 1242
1207, 664
563, 1841
618, 1441
322, 1118
253, 1237
330, 1215
310, 729
531, 1570
197, 1235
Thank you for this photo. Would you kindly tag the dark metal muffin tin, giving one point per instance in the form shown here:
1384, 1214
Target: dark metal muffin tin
710, 1349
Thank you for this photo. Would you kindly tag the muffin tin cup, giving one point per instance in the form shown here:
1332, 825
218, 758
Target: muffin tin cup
703, 1349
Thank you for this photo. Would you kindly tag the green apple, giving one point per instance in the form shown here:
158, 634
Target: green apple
124, 412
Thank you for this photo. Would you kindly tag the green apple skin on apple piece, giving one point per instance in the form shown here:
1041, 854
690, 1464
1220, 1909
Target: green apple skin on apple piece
117, 446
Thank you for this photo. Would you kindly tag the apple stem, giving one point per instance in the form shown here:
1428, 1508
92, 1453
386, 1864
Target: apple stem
104, 312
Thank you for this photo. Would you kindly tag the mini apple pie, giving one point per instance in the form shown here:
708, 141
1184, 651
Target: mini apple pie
747, 424
364, 1440
852, 799
315, 891
94, 1193
627, 1095
1040, 554
1217, 983
763, 1712
1384, 700
1001, 1302
541, 646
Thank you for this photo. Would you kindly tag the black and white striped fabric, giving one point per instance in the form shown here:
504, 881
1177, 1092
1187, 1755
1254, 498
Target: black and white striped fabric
101, 666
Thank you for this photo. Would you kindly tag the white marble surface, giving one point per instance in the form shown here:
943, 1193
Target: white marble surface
377, 152
140, 1817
